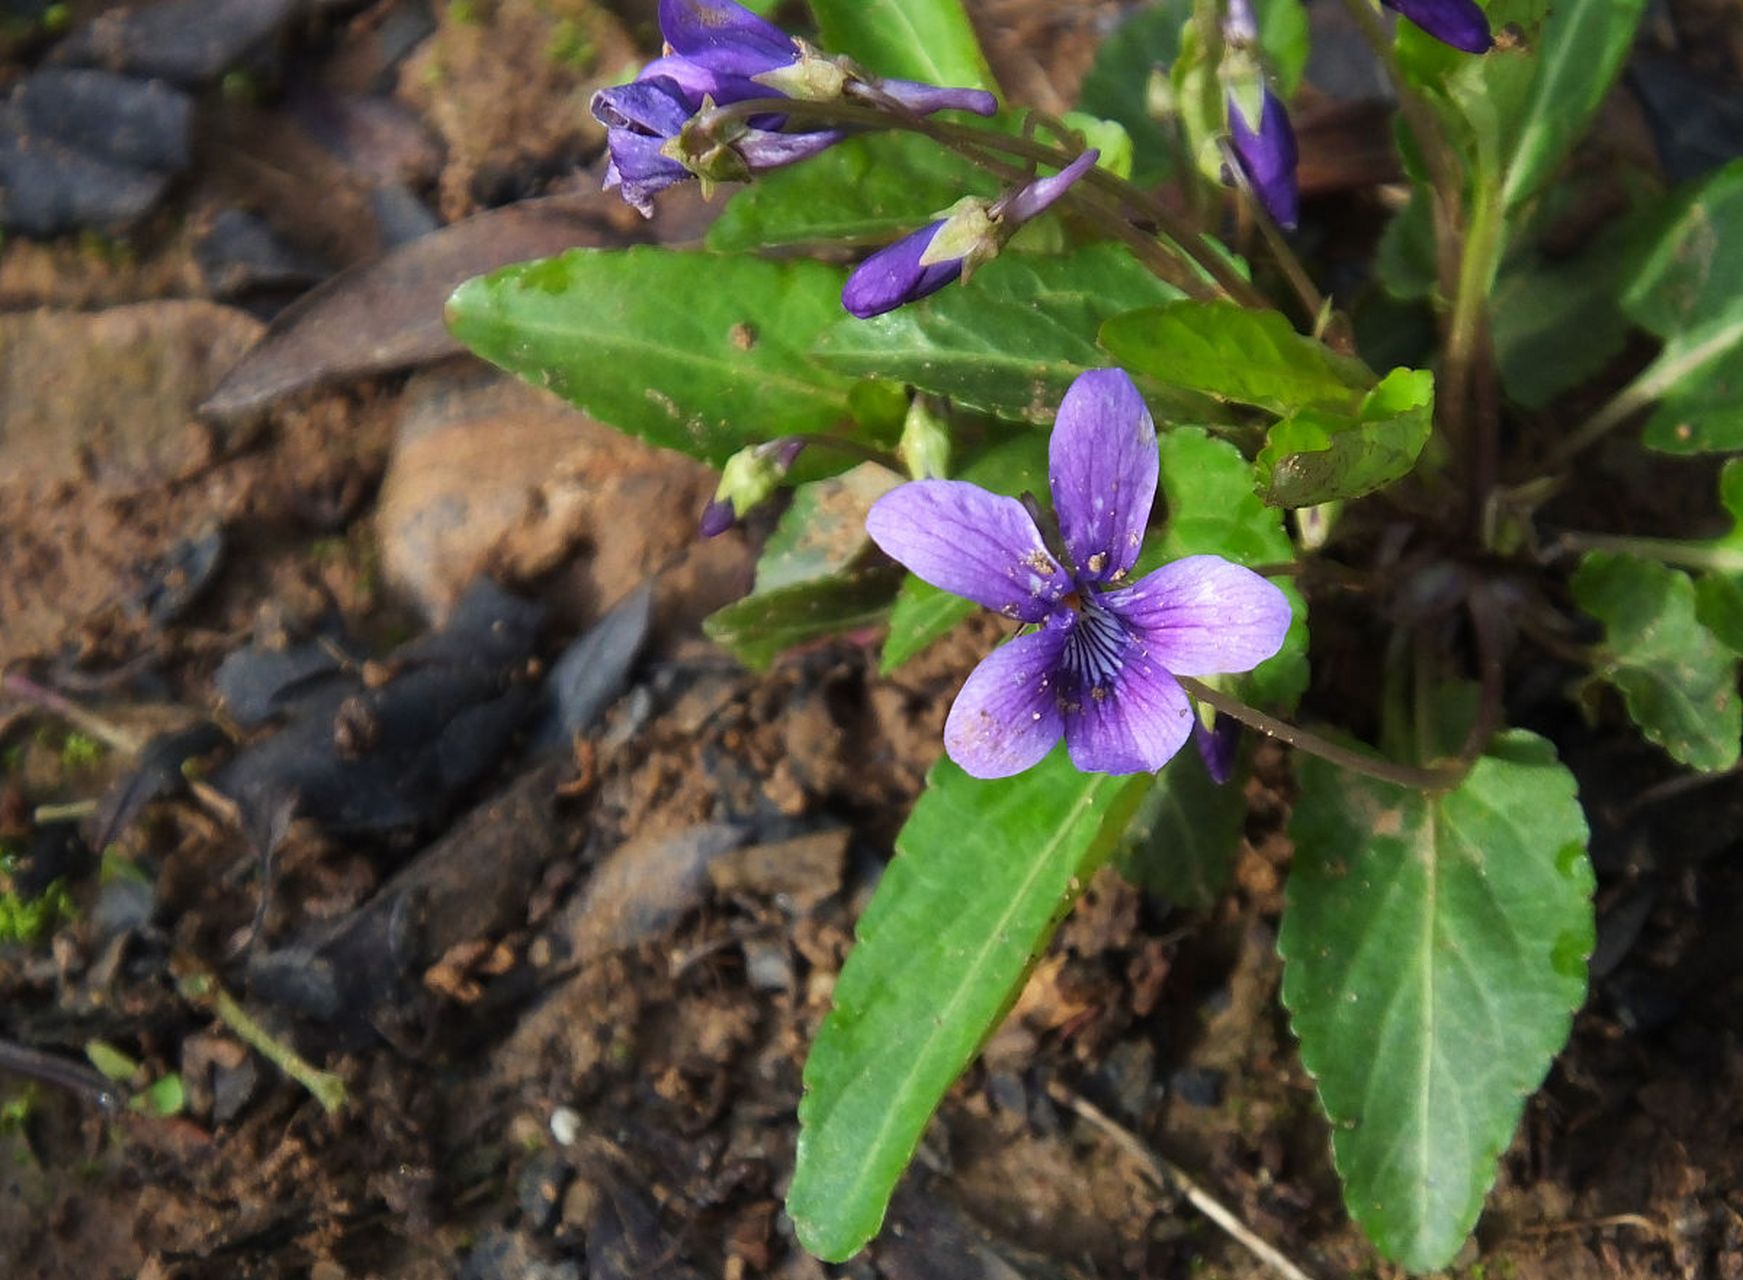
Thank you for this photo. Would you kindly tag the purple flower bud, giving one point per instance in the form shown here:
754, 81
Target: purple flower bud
1267, 158
924, 99
1240, 23
1216, 746
1031, 201
894, 276
717, 518
1459, 23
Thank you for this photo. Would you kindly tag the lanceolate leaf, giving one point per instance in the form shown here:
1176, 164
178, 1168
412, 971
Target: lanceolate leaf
983, 873
1010, 340
929, 40
633, 338
865, 190
1677, 681
1435, 949
1689, 291
1579, 49
1227, 351
761, 627
1319, 455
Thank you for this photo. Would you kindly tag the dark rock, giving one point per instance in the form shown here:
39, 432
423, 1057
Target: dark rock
539, 1189
175, 582
187, 41
358, 759
233, 1088
239, 254
593, 671
124, 905
137, 123
258, 683
157, 774
1198, 1086
400, 216
644, 888
1696, 121
502, 1255
47, 188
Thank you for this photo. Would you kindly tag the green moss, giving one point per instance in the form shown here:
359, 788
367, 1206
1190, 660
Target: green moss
27, 922
56, 18
571, 45
465, 13
80, 751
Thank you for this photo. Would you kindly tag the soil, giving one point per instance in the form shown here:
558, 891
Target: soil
569, 988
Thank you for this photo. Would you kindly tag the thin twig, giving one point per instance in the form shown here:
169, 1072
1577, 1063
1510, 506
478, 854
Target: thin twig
64, 1073
33, 694
1167, 1174
201, 988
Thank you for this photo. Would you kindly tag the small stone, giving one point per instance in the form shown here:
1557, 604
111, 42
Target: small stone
566, 1126
1198, 1086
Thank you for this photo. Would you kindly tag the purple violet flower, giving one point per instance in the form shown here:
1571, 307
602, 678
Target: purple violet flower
1099, 667
719, 53
1459, 23
911, 268
1267, 159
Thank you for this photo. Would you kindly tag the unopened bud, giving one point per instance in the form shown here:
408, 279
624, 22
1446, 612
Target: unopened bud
925, 442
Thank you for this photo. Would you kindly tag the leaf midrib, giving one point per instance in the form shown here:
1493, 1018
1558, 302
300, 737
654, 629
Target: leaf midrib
945, 1018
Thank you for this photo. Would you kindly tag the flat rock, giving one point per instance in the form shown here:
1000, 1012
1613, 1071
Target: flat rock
111, 394
187, 41
492, 475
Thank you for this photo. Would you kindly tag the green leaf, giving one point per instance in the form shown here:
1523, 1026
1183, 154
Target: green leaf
1692, 275
164, 1097
1677, 681
1207, 489
627, 336
1117, 86
1579, 51
1318, 455
1557, 323
1434, 948
761, 627
1013, 338
983, 873
1181, 843
1719, 595
1688, 290
861, 191
1227, 351
1283, 35
928, 40
1404, 262
923, 613
823, 532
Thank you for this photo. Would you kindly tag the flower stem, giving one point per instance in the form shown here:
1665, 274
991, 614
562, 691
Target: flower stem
1654, 381
1686, 555
199, 987
1434, 778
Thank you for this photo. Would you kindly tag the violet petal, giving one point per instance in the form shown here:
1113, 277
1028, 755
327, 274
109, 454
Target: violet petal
971, 543
1007, 717
717, 517
763, 150
1102, 466
725, 36
1203, 615
1459, 23
1217, 746
1124, 713
894, 275
924, 99
694, 82
1268, 158
1030, 201
639, 169
654, 107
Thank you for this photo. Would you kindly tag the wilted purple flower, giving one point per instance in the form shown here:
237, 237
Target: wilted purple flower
719, 53
1216, 746
1099, 667
913, 267
1267, 158
1460, 23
